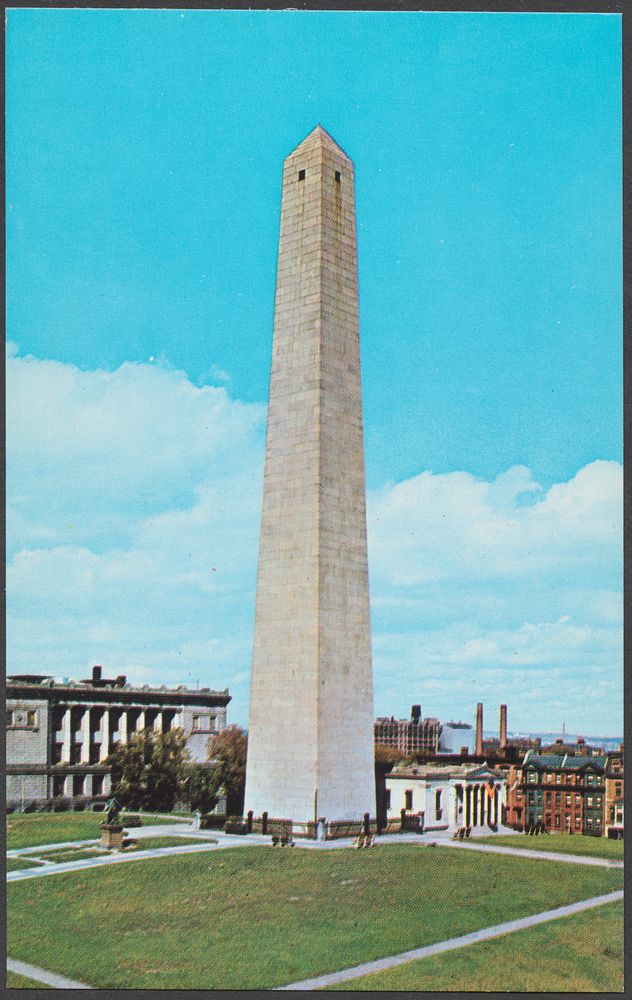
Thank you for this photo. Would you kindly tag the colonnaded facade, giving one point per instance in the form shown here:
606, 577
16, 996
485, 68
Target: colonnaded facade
446, 796
59, 734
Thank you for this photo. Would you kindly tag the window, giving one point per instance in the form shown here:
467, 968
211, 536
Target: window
408, 799
78, 784
547, 819
58, 784
337, 176
577, 821
97, 784
558, 798
547, 796
531, 777
196, 723
568, 800
438, 810
301, 175
31, 718
387, 798
557, 819
10, 717
589, 801
589, 823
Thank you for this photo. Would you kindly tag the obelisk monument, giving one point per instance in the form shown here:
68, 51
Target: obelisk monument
310, 740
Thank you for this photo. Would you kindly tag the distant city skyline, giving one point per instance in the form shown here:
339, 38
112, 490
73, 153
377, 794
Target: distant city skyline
142, 231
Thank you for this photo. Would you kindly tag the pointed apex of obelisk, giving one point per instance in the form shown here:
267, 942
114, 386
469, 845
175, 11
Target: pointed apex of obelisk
320, 137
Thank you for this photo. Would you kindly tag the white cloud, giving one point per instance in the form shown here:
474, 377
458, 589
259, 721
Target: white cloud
466, 577
134, 506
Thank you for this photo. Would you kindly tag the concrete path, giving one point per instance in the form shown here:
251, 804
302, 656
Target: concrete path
42, 976
524, 852
318, 982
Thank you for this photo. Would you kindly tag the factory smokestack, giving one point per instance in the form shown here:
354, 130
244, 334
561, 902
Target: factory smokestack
478, 749
503, 727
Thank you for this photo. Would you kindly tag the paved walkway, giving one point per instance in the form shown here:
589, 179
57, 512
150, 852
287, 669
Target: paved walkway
524, 852
318, 982
42, 976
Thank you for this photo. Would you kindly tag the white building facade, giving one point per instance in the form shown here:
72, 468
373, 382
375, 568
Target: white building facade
448, 796
59, 735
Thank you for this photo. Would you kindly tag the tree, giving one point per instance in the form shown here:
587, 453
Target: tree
386, 755
228, 751
148, 771
200, 788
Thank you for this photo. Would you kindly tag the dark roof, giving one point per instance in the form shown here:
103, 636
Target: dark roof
553, 762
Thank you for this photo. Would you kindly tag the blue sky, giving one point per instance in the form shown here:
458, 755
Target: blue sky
144, 153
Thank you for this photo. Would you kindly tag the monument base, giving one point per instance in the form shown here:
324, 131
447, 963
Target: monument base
311, 830
112, 835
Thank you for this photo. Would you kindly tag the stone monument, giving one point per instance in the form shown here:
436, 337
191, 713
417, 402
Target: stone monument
310, 749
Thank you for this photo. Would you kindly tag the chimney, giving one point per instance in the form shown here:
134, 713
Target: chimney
96, 673
503, 727
478, 748
415, 714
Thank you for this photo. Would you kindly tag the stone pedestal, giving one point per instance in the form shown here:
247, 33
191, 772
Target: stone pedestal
112, 834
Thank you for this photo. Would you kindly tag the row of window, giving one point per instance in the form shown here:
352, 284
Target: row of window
204, 723
21, 718
592, 802
533, 778
78, 784
557, 821
301, 175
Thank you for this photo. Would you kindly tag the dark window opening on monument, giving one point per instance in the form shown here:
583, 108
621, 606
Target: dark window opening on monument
408, 799
301, 175
337, 176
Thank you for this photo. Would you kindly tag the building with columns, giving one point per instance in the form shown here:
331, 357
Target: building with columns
447, 796
59, 735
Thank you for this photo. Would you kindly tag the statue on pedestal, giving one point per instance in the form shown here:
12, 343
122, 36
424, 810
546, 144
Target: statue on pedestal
113, 808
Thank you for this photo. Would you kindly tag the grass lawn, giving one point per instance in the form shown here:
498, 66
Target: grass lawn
78, 853
596, 847
17, 982
18, 864
31, 829
253, 917
147, 843
581, 954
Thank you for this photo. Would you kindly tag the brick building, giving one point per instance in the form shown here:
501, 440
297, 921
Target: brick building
410, 736
564, 793
613, 819
60, 734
